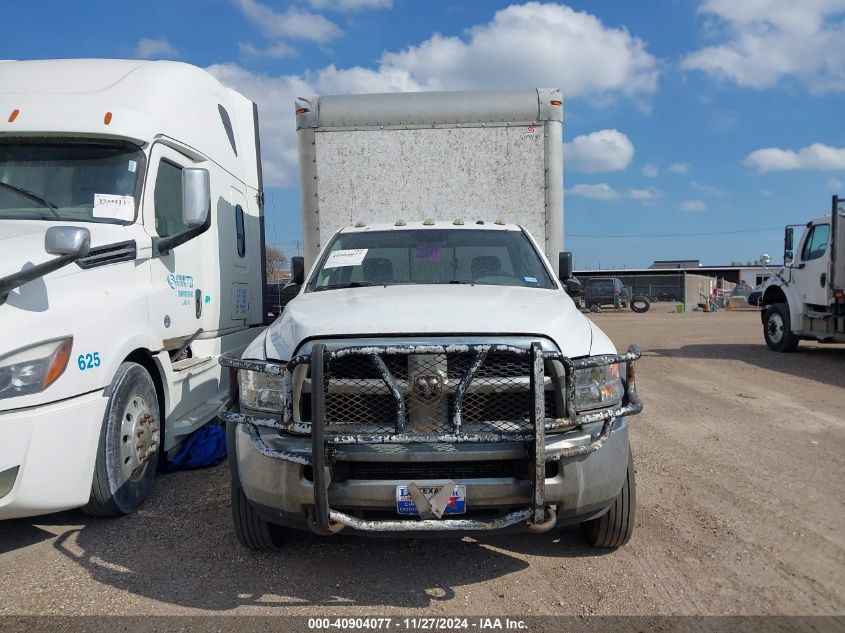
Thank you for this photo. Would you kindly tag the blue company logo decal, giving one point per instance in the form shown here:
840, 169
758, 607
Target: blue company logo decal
171, 280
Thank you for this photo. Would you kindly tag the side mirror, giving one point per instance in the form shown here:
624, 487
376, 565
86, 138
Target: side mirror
787, 257
787, 239
564, 265
196, 196
67, 240
297, 270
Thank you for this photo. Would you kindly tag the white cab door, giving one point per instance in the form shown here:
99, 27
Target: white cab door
812, 270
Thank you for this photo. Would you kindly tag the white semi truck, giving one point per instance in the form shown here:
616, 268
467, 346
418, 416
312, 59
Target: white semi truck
132, 252
805, 300
432, 374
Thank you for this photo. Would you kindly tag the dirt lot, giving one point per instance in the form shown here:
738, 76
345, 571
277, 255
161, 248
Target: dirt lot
740, 459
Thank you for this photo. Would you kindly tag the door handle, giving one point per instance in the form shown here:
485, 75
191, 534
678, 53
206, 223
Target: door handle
823, 279
198, 302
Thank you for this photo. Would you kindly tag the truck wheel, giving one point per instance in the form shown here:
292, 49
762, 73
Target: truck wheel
614, 527
253, 531
777, 328
127, 454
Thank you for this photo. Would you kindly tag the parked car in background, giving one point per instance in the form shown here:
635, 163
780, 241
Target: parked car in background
278, 295
602, 291
755, 295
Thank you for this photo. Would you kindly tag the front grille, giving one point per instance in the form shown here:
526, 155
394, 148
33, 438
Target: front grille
415, 471
430, 393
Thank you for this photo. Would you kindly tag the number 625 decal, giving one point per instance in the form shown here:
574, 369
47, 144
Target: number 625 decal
88, 361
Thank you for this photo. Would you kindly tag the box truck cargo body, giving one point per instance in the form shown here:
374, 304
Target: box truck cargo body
441, 155
131, 233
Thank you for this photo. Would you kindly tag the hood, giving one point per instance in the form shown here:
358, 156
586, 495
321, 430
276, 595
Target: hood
435, 310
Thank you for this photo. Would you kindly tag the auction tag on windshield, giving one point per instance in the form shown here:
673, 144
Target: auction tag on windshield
114, 207
349, 257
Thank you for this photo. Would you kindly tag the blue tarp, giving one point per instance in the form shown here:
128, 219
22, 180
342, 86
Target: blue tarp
204, 447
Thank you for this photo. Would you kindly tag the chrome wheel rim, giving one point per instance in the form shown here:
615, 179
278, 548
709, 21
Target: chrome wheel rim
139, 435
775, 328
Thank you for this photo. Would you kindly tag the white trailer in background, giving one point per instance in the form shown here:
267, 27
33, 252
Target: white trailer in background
806, 298
439, 155
131, 233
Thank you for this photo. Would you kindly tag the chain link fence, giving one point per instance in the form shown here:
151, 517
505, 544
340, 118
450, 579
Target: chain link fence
682, 290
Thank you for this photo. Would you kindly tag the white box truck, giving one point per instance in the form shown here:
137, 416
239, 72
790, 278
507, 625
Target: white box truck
432, 374
131, 232
805, 300
376, 158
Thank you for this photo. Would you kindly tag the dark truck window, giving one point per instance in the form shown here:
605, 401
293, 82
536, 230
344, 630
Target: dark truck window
69, 181
239, 230
431, 256
168, 200
816, 243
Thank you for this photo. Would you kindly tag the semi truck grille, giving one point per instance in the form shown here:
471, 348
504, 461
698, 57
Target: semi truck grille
430, 393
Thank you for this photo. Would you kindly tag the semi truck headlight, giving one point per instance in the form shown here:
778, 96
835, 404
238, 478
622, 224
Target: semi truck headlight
597, 387
34, 368
260, 390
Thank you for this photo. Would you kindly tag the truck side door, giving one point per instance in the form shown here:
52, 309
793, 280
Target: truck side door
812, 270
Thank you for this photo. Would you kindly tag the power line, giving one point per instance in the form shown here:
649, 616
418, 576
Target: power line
707, 234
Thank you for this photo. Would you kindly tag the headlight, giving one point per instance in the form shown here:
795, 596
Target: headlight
34, 368
260, 390
597, 387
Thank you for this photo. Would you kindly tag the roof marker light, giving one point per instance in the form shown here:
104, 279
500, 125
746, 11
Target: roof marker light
107, 118
499, 221
458, 222
556, 103
359, 224
428, 222
302, 110
14, 115
401, 223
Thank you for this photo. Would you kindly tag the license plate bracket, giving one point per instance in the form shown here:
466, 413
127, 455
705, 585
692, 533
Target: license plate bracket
405, 504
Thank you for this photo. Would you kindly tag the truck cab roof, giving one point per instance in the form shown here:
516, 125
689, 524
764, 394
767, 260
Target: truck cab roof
402, 225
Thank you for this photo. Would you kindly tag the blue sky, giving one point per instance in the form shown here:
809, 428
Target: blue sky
682, 118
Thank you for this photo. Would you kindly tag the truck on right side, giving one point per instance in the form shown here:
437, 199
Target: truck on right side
805, 300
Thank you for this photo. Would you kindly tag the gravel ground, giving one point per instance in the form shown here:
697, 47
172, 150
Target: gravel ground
740, 456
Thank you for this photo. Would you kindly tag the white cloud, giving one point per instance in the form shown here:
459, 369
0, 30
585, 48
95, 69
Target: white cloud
605, 150
278, 50
603, 191
350, 5
693, 205
523, 46
160, 48
531, 45
816, 156
649, 170
293, 23
679, 168
760, 42
766, 193
710, 190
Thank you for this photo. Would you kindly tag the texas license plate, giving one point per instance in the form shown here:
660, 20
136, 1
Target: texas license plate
405, 503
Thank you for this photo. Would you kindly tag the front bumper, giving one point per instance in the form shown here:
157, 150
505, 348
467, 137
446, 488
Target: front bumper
289, 478
47, 455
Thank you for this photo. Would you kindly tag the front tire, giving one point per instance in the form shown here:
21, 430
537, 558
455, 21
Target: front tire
127, 455
777, 328
614, 528
252, 531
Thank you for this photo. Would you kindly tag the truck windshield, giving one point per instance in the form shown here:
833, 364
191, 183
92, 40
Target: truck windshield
69, 181
431, 256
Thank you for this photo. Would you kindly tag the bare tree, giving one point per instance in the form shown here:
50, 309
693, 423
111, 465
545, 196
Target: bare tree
277, 262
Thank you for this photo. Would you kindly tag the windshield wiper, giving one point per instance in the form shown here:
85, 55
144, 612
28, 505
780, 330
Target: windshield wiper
352, 284
26, 193
462, 281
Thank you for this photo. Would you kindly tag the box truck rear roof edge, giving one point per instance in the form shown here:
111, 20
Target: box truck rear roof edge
430, 108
